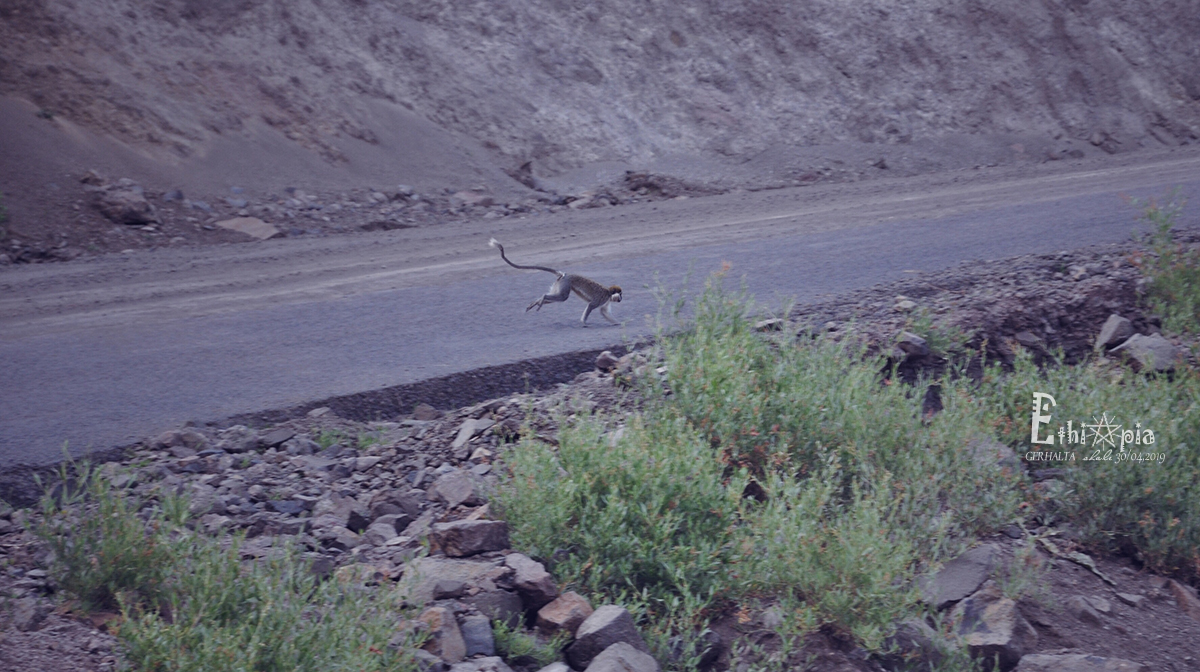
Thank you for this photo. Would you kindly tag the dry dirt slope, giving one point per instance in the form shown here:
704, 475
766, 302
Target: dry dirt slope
565, 83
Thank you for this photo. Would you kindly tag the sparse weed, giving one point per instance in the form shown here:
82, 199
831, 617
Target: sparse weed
190, 602
513, 643
943, 339
1173, 269
329, 437
1024, 578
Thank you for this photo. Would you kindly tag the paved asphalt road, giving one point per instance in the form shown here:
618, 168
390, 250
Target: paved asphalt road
100, 354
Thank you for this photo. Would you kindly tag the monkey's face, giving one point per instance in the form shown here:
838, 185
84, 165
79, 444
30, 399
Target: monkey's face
616, 294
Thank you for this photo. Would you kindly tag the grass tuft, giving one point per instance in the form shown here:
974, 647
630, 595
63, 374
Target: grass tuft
190, 602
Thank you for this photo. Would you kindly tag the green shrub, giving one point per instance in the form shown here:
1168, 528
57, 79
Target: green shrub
1173, 269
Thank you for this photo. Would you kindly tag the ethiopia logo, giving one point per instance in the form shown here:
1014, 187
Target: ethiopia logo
1104, 434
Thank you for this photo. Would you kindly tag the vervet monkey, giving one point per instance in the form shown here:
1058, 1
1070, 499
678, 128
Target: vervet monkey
596, 295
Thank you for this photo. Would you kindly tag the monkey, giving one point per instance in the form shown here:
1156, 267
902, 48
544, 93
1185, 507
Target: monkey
596, 295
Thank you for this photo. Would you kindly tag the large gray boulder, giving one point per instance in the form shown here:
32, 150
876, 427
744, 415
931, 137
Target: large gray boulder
606, 626
1149, 353
621, 657
960, 577
993, 629
1115, 330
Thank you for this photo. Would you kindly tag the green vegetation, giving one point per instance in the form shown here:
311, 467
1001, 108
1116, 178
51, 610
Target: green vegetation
513, 643
189, 602
1173, 269
791, 468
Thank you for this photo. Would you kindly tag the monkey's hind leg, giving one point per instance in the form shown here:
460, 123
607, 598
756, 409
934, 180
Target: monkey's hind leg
559, 291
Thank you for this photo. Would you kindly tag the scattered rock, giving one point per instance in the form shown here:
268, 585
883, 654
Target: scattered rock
445, 638
1132, 600
470, 428
960, 577
1076, 662
1116, 330
1185, 598
500, 605
607, 362
477, 635
994, 629
125, 203
565, 614
912, 647
1149, 352
1080, 608
454, 488
251, 226
490, 664
28, 613
470, 537
532, 581
419, 581
425, 413
773, 324
606, 626
621, 657
912, 345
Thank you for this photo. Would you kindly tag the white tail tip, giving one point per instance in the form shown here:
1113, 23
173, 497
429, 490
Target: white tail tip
493, 242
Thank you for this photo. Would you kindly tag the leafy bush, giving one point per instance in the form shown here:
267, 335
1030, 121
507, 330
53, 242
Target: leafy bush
1173, 269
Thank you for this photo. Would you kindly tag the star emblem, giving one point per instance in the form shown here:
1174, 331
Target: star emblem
1103, 431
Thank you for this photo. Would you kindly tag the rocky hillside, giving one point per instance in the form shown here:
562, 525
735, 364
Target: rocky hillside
565, 84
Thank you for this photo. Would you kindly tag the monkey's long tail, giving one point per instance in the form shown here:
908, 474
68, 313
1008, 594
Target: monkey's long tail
495, 243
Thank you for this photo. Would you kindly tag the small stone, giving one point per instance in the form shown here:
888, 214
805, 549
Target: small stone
251, 226
470, 428
1029, 340
489, 664
622, 657
1100, 604
607, 361
564, 614
276, 437
379, 534
773, 324
365, 462
1116, 329
454, 488
606, 626
499, 605
477, 635
470, 537
994, 629
1132, 600
1185, 598
127, 205
1079, 607
290, 507
425, 413
532, 581
912, 647
28, 613
905, 306
911, 344
448, 589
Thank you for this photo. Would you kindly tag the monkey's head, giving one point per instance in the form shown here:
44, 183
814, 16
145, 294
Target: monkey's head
615, 293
